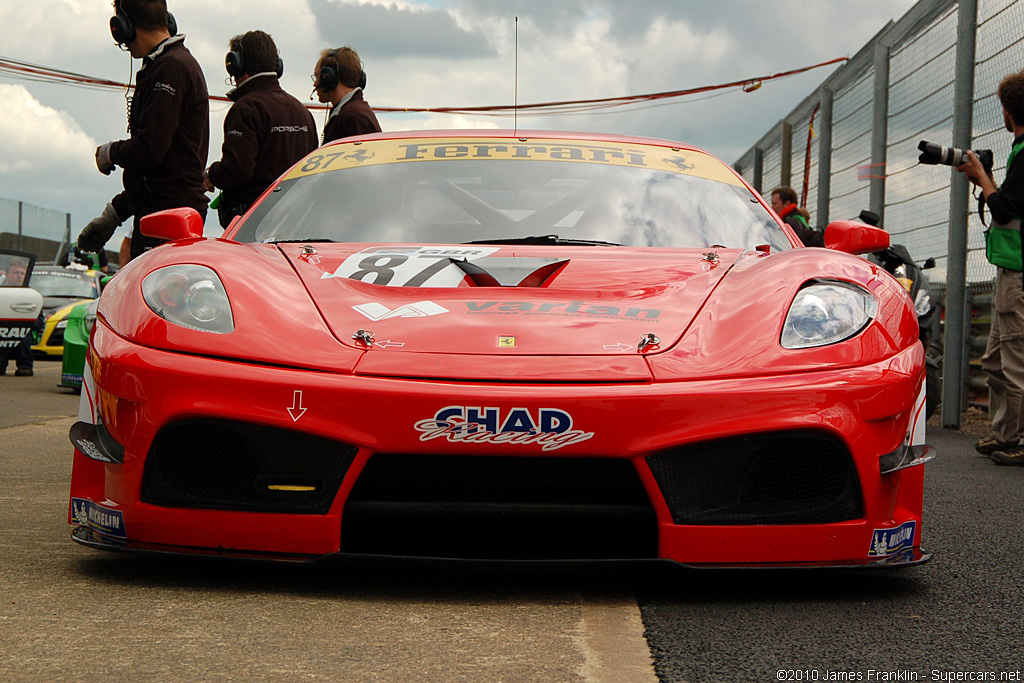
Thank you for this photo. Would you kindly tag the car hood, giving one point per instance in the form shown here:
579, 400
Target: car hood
509, 300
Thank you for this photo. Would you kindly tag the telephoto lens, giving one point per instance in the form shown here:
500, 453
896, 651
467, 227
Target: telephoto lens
932, 154
937, 154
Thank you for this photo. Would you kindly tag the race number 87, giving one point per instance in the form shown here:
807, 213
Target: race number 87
382, 267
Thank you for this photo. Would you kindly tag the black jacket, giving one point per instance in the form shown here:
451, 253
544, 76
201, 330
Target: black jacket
353, 118
265, 132
165, 158
1007, 202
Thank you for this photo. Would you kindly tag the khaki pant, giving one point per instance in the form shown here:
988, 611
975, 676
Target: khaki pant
1003, 361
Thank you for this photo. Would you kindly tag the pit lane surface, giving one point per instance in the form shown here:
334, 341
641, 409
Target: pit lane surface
72, 613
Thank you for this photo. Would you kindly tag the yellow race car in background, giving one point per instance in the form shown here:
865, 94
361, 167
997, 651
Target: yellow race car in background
62, 287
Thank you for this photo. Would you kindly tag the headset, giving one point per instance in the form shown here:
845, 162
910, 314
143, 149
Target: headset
328, 79
234, 62
122, 28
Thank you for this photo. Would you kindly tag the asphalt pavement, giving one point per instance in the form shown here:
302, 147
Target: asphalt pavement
960, 617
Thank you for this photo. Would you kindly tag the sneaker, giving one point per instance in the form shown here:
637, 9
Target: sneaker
1010, 456
23, 372
990, 444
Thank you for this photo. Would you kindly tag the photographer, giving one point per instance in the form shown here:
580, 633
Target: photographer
1003, 361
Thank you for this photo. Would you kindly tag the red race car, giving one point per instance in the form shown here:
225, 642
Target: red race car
508, 346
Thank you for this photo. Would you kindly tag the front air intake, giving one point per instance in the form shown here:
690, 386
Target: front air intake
791, 478
226, 465
490, 507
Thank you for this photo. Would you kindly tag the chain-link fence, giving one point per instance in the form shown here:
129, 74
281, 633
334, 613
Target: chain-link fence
27, 227
931, 75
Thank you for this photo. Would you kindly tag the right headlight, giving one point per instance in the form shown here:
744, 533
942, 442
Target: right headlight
191, 296
825, 313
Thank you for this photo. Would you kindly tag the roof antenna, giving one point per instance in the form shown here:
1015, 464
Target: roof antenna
515, 105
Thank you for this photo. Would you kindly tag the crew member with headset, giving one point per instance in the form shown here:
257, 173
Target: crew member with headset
169, 125
339, 79
265, 132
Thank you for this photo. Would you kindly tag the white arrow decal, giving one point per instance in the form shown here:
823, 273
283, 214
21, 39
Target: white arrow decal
296, 409
618, 347
386, 344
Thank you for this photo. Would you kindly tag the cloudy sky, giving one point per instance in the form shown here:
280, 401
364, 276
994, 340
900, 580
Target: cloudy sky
433, 53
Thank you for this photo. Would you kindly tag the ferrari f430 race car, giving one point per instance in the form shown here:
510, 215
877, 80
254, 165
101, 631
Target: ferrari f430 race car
505, 346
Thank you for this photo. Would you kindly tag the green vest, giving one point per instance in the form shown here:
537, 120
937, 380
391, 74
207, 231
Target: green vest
1002, 242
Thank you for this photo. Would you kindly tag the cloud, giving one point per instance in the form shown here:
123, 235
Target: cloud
36, 139
385, 31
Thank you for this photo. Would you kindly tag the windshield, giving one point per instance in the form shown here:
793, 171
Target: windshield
400, 191
69, 285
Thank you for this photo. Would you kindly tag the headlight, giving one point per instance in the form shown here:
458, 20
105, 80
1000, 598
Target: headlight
90, 317
923, 301
826, 313
191, 296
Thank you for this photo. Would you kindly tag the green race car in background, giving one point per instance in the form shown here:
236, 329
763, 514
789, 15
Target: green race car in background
80, 320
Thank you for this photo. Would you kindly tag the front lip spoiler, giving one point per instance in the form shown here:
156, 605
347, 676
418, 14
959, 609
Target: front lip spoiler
94, 441
87, 537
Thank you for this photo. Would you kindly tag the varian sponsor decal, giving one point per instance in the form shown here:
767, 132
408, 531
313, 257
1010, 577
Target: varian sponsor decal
551, 428
420, 309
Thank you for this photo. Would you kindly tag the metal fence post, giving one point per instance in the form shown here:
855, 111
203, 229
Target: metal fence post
956, 273
758, 168
879, 131
825, 156
786, 170
21, 245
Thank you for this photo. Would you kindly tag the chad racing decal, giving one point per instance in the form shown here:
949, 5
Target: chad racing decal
100, 519
885, 542
409, 266
550, 428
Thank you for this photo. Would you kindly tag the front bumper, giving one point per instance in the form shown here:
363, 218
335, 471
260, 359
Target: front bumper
143, 393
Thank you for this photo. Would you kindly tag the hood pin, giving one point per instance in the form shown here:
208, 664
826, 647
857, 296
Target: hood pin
647, 341
364, 336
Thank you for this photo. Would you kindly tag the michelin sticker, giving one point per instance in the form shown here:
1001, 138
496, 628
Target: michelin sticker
100, 519
885, 542
551, 428
409, 266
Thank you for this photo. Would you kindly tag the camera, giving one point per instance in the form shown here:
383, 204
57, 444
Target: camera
932, 154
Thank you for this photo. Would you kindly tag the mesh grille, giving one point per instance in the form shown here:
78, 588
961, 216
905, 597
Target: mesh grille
57, 337
228, 465
487, 507
770, 479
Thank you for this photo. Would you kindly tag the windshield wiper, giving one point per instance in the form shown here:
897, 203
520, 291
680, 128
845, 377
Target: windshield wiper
543, 239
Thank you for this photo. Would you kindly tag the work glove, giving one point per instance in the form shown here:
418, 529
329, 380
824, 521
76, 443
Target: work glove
103, 162
98, 231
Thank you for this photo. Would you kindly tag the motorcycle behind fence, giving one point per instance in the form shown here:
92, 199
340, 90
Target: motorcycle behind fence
897, 261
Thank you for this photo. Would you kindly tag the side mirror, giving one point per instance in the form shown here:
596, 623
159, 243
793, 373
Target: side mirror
930, 263
855, 237
172, 224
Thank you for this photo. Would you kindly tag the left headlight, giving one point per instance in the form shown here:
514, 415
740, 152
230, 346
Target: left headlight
191, 296
90, 317
825, 313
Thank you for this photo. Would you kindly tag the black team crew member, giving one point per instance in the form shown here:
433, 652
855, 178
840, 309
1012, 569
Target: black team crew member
338, 79
265, 132
169, 126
